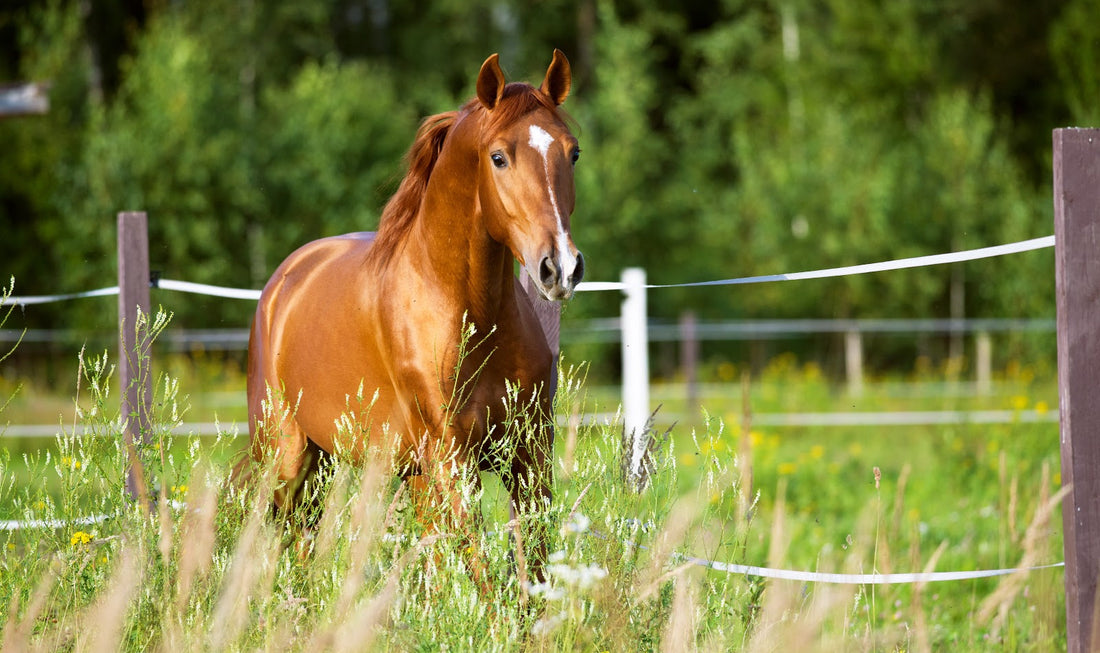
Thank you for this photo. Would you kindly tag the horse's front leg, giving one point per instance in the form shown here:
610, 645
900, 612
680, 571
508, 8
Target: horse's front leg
447, 499
529, 484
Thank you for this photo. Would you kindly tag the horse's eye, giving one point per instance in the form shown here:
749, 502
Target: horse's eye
576, 155
498, 160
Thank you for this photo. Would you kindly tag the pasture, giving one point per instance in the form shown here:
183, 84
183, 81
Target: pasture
211, 570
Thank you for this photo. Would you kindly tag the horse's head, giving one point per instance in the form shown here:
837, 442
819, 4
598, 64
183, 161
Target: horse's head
525, 162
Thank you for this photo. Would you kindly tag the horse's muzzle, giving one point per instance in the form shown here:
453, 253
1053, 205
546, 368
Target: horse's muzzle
558, 278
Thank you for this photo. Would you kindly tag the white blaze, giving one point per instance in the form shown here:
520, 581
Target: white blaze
541, 140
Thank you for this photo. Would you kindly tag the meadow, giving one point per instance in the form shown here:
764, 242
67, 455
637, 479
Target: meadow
208, 568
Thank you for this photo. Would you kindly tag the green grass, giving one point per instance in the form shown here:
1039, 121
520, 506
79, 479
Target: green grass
228, 577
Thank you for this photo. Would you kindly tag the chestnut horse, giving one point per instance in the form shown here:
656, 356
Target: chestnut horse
418, 337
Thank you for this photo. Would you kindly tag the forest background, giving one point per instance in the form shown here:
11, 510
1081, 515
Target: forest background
720, 139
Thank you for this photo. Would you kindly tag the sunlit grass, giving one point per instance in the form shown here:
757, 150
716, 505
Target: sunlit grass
210, 569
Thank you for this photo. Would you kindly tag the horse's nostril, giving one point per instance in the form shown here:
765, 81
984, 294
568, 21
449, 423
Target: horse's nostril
578, 272
548, 272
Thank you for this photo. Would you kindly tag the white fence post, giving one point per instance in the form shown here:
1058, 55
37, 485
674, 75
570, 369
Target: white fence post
853, 361
983, 355
635, 366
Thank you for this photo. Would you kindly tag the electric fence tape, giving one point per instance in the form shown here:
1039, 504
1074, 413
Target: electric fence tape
595, 286
898, 264
727, 567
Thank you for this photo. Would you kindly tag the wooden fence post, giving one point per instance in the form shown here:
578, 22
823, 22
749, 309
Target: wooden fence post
1077, 282
135, 378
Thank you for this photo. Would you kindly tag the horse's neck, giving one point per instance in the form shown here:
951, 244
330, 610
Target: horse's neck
451, 235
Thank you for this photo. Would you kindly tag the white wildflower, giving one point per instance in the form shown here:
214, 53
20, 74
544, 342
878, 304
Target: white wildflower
578, 523
546, 625
547, 591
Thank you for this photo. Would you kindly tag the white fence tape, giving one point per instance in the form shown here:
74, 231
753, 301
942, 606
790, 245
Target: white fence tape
206, 289
593, 286
898, 264
727, 567
860, 579
49, 299
15, 525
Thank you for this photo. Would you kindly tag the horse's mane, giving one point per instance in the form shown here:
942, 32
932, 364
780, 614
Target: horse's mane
518, 100
398, 214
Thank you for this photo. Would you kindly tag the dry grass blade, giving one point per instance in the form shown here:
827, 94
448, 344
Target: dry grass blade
924, 643
197, 530
197, 537
679, 632
744, 449
673, 535
253, 560
329, 529
102, 625
1000, 601
359, 629
778, 597
569, 456
367, 512
17, 632
785, 623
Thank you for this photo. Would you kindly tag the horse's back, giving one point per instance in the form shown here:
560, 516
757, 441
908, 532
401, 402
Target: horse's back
315, 266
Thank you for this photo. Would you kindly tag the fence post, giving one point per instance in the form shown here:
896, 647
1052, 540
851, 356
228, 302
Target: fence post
635, 349
549, 314
1077, 283
135, 378
689, 360
853, 361
983, 360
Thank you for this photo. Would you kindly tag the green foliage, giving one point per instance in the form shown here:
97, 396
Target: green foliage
721, 139
1075, 46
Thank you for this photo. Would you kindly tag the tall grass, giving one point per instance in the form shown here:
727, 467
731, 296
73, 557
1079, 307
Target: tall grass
210, 569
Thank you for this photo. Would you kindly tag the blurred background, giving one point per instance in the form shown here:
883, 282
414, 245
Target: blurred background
720, 139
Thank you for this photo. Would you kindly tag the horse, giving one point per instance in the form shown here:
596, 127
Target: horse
419, 340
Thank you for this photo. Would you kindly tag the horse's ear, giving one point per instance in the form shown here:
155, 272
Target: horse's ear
490, 82
559, 78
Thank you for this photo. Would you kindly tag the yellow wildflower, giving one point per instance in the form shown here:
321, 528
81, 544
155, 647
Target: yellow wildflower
756, 438
79, 538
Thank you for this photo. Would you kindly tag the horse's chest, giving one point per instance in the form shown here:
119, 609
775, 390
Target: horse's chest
499, 398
